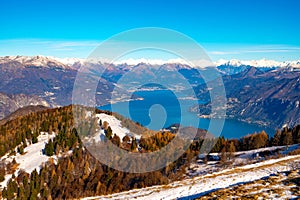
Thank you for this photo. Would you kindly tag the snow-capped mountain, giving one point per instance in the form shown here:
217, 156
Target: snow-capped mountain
264, 63
70, 62
35, 61
52, 80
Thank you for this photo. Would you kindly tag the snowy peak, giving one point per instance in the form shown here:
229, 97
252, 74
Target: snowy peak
259, 63
35, 61
70, 61
171, 64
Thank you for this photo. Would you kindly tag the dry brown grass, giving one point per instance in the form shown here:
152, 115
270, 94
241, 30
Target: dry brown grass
274, 186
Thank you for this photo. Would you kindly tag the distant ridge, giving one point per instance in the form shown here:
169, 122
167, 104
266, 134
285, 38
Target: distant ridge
262, 63
267, 92
22, 112
35, 61
74, 62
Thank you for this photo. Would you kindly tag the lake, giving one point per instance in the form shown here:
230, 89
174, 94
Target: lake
161, 108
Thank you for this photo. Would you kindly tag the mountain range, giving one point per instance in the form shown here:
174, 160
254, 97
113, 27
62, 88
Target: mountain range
263, 97
261, 91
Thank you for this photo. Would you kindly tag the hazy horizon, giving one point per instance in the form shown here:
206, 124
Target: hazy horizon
244, 30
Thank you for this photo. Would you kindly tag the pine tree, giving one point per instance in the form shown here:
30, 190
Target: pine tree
116, 140
219, 145
2, 149
105, 125
259, 140
21, 194
21, 149
126, 139
12, 188
49, 148
34, 138
276, 139
296, 135
223, 156
4, 193
231, 150
133, 144
287, 138
28, 133
108, 133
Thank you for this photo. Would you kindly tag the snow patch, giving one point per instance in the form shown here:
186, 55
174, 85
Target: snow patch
31, 159
33, 155
115, 126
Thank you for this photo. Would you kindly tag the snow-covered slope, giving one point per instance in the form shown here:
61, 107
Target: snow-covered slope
31, 159
195, 187
115, 125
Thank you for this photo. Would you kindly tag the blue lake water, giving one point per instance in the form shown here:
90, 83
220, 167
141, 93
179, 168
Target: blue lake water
161, 108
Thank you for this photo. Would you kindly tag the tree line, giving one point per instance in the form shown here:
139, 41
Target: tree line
79, 174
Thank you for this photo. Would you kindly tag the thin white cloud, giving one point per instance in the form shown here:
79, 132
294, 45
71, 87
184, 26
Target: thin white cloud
58, 48
82, 49
76, 44
255, 49
223, 52
253, 52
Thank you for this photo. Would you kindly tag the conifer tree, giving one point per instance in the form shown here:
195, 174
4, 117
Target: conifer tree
133, 144
108, 133
49, 148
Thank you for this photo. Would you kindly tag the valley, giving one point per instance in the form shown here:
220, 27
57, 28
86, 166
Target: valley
48, 81
150, 100
50, 146
37, 163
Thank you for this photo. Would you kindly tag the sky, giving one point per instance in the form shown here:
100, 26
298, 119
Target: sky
226, 29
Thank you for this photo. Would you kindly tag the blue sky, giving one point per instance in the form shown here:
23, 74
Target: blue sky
227, 29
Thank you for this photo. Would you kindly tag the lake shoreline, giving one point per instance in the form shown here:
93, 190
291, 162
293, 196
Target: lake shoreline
140, 111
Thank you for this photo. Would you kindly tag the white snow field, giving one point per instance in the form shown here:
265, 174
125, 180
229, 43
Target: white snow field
241, 158
115, 126
32, 158
200, 185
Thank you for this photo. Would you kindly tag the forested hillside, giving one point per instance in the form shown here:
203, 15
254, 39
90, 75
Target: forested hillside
72, 172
